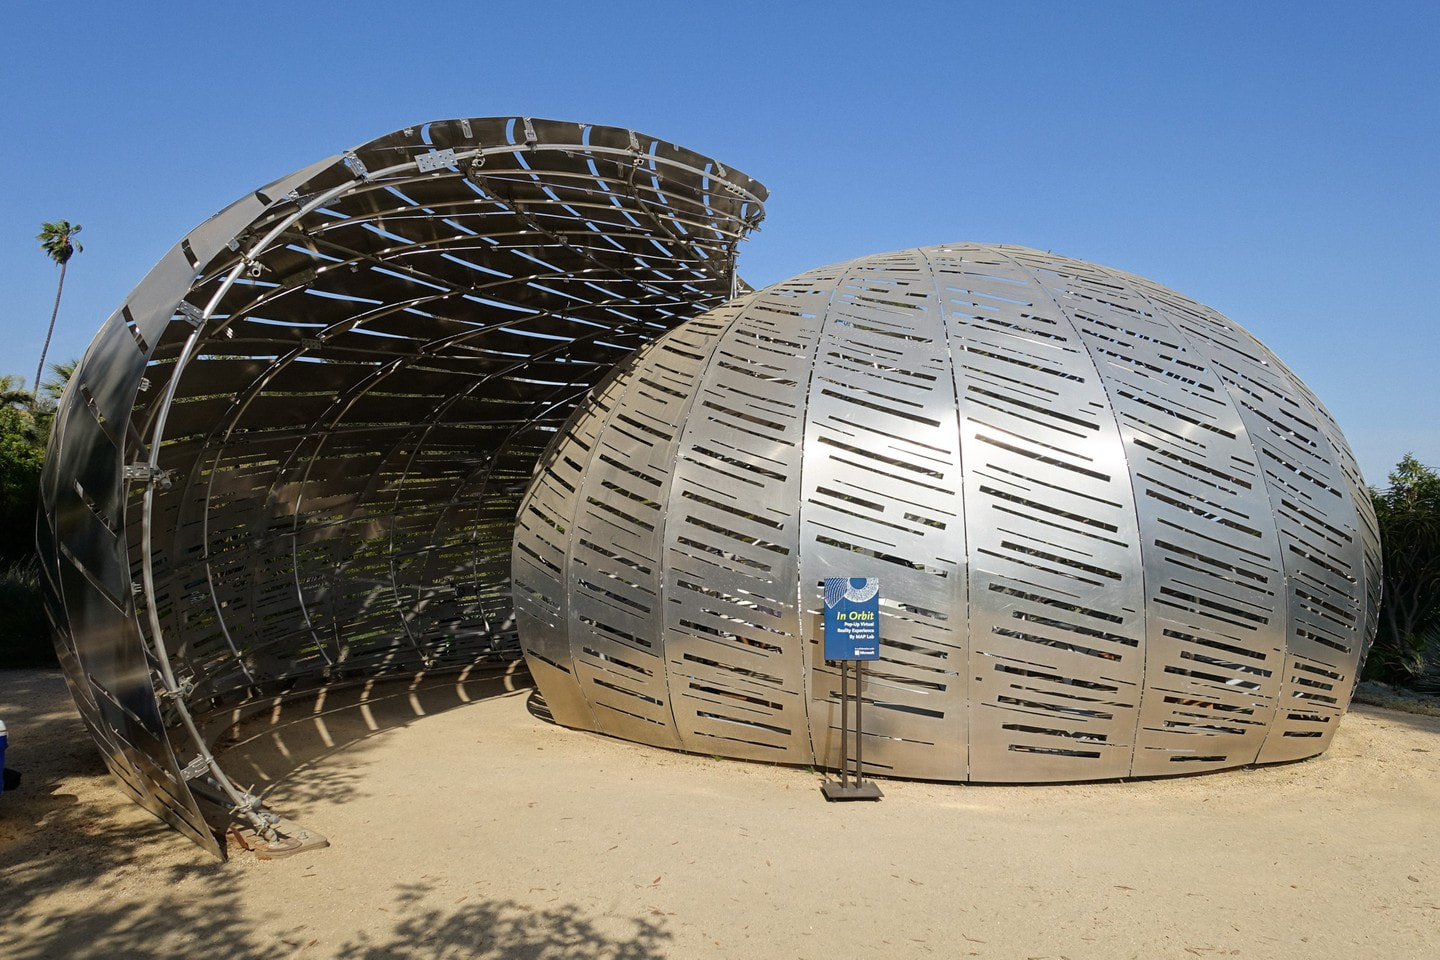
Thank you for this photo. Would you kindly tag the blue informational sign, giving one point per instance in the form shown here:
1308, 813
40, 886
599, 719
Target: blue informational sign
852, 618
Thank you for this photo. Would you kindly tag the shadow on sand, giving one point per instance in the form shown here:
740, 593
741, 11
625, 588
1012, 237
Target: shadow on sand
87, 874
285, 740
495, 929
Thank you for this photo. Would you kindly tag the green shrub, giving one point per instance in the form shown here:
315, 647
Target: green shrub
24, 634
1407, 645
21, 455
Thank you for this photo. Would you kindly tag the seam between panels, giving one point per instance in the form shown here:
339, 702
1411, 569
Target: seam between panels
962, 676
1134, 500
1138, 288
843, 272
663, 571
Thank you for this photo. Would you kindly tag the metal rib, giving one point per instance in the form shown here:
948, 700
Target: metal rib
293, 456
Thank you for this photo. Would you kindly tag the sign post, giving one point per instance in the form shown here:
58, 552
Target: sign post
852, 636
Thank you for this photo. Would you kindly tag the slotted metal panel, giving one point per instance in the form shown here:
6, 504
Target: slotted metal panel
1115, 536
1056, 624
294, 455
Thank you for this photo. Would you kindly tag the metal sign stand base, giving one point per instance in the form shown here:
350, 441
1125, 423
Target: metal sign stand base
856, 787
860, 790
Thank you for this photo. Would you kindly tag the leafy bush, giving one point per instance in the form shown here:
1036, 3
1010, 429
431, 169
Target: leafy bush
1407, 647
21, 455
24, 635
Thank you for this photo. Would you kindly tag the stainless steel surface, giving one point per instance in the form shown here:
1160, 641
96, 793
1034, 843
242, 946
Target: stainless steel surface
1116, 536
294, 455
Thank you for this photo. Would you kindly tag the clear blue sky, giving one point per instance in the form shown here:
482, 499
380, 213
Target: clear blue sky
1277, 161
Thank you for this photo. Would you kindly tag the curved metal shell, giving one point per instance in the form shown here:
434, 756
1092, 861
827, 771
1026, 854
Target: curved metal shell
295, 453
1115, 536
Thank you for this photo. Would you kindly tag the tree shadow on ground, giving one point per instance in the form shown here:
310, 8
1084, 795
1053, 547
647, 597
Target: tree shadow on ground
205, 923
85, 873
494, 929
70, 840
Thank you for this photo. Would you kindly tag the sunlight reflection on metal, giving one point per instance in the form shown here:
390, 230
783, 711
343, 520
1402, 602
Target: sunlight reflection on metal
1116, 536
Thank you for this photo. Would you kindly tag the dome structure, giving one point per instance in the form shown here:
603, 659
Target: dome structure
1115, 536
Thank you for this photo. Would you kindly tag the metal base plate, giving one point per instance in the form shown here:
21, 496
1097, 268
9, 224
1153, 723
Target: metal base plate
855, 790
290, 839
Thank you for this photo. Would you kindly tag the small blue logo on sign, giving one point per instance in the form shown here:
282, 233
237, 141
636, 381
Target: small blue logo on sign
852, 618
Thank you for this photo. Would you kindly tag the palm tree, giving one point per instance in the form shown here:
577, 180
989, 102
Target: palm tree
60, 374
58, 241
12, 391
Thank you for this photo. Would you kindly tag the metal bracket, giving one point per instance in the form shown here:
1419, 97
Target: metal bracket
196, 768
530, 138
356, 166
299, 278
184, 686
192, 314
145, 473
435, 160
252, 807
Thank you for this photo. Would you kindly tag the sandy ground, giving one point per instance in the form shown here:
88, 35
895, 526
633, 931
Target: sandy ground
482, 831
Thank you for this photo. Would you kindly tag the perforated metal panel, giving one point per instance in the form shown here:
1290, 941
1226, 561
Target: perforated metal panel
294, 455
1115, 536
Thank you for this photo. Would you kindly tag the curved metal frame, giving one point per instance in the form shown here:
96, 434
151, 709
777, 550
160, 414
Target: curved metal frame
1116, 536
294, 454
